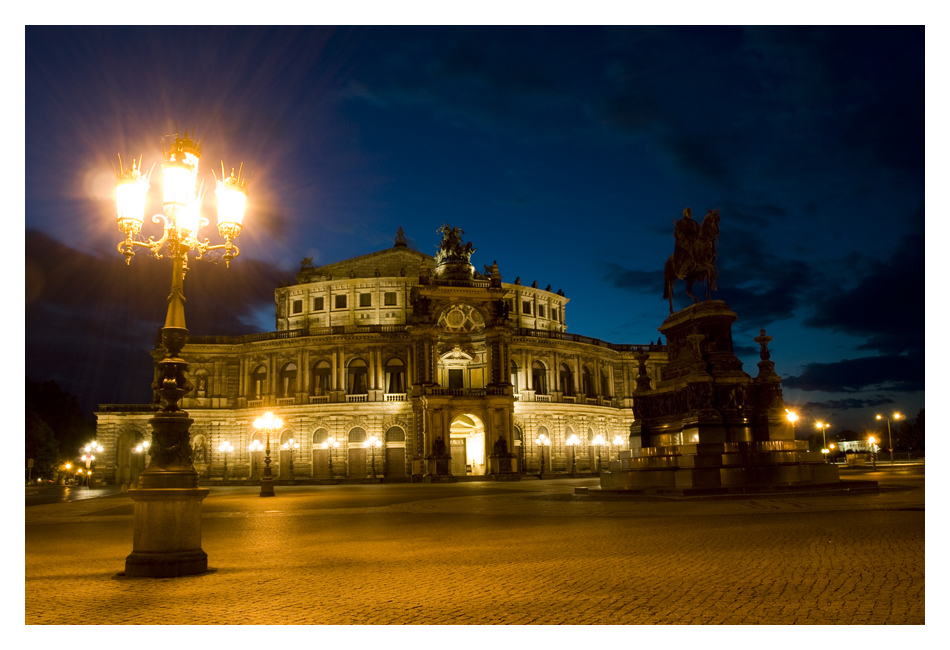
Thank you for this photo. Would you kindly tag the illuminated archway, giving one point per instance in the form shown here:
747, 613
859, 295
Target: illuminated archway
467, 437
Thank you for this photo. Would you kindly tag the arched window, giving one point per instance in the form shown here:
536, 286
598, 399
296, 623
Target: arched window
285, 436
258, 382
605, 383
395, 434
518, 434
356, 377
319, 437
320, 378
356, 435
586, 383
395, 376
567, 380
287, 385
514, 375
539, 380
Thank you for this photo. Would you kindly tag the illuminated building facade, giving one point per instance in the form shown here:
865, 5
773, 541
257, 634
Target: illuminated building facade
420, 352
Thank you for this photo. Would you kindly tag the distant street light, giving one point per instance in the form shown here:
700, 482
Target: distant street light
618, 443
226, 448
792, 417
373, 443
330, 444
824, 427
291, 445
871, 443
542, 442
598, 442
573, 441
890, 441
88, 457
268, 423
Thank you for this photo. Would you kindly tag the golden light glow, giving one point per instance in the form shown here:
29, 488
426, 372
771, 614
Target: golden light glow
598, 440
225, 447
256, 445
618, 440
178, 186
573, 440
872, 440
130, 193
373, 442
268, 421
232, 200
792, 416
542, 440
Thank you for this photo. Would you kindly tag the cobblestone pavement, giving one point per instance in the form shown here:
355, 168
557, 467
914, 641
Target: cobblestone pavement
529, 552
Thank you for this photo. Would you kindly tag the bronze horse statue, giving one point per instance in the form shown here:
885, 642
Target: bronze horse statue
694, 258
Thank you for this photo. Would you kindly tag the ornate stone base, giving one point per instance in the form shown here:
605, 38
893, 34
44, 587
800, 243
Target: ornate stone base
720, 468
267, 487
166, 542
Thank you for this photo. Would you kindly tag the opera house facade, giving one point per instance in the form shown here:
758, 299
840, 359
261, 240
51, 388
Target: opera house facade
397, 365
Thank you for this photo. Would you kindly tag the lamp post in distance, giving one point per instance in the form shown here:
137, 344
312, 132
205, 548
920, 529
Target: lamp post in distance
226, 448
268, 423
542, 441
373, 443
330, 444
598, 442
291, 445
824, 445
572, 442
890, 441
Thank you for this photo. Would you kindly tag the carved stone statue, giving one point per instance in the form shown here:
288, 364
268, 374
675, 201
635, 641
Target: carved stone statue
694, 255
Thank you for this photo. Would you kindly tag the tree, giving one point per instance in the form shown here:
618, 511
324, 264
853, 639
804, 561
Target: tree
61, 414
40, 446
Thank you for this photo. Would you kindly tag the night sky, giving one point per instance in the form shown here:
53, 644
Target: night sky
563, 153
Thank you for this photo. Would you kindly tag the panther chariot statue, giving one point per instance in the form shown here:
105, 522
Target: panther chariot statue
694, 256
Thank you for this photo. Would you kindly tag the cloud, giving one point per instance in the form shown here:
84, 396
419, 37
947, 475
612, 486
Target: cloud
91, 321
847, 404
886, 372
886, 306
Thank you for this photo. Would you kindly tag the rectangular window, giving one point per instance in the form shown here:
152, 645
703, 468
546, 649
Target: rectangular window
318, 304
389, 298
366, 300
455, 378
556, 314
541, 311
525, 306
298, 306
340, 302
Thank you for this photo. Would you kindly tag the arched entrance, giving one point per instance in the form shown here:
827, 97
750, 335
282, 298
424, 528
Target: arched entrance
467, 437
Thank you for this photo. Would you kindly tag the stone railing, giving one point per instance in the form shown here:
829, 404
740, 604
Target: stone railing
577, 338
255, 403
319, 399
350, 399
128, 408
395, 397
285, 401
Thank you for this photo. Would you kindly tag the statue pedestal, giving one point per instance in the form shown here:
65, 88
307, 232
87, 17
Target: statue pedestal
166, 542
708, 427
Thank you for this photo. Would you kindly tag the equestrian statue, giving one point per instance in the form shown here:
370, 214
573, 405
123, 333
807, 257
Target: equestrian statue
694, 256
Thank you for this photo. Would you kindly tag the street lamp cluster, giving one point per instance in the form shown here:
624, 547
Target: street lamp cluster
872, 441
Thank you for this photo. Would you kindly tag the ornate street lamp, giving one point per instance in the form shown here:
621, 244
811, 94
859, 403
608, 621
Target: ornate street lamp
268, 423
168, 497
330, 444
573, 441
890, 441
226, 448
291, 445
598, 442
542, 442
373, 443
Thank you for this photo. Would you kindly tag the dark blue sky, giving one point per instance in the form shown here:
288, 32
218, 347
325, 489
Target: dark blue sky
564, 153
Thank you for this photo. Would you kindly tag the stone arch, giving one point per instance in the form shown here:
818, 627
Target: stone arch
129, 463
287, 380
